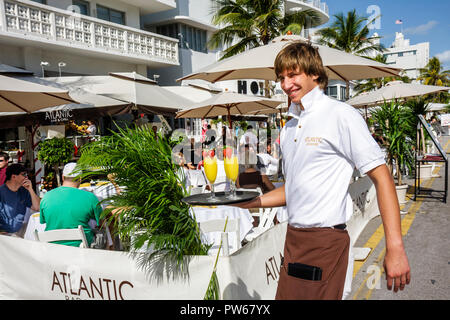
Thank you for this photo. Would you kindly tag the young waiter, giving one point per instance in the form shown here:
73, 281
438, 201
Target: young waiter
321, 145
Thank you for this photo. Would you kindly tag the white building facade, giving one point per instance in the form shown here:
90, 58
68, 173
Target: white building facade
411, 58
81, 37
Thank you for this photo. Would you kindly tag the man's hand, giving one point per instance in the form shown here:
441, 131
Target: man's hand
397, 269
27, 184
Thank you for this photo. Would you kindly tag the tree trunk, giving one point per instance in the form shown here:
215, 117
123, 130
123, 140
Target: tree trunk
399, 174
58, 177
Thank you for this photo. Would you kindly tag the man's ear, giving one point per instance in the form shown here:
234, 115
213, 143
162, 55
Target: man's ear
314, 77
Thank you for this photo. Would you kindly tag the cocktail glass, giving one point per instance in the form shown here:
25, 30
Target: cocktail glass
231, 165
210, 165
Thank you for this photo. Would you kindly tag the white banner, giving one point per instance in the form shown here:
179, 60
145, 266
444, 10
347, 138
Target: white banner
36, 270
445, 119
252, 272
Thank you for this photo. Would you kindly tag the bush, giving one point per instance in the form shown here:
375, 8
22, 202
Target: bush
56, 152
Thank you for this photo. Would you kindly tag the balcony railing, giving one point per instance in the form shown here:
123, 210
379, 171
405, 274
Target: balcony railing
86, 32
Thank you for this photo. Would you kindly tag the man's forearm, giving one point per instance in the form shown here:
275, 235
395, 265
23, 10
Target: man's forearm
388, 205
274, 198
35, 200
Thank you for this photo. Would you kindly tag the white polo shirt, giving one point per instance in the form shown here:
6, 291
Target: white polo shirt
321, 146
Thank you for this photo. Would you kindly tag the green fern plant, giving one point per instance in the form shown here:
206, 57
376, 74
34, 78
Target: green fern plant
150, 207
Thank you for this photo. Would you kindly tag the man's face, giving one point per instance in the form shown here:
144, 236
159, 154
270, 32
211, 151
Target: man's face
3, 162
297, 84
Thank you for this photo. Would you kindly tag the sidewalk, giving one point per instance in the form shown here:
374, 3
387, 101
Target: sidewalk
426, 235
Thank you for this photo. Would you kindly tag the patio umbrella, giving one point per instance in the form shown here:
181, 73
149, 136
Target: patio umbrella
89, 106
228, 103
19, 95
141, 92
258, 63
393, 90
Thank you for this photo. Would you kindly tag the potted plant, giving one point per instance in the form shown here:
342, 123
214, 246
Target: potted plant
418, 106
141, 163
55, 152
392, 120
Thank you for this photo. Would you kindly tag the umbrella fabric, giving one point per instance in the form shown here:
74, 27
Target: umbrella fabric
10, 70
131, 88
258, 63
23, 96
90, 106
393, 90
228, 103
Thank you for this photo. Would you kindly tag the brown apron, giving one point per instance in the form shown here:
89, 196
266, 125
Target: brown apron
326, 248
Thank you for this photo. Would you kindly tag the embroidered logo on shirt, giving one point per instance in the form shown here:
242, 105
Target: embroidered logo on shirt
313, 141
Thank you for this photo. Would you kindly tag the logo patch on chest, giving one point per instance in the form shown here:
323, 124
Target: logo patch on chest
313, 141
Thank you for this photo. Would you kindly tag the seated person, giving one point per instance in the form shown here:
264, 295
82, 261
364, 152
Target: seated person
16, 195
4, 158
251, 178
66, 207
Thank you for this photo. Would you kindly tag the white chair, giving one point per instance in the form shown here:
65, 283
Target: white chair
62, 235
218, 225
265, 222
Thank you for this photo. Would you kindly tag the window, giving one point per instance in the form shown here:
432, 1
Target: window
112, 15
40, 1
400, 54
332, 91
83, 5
189, 37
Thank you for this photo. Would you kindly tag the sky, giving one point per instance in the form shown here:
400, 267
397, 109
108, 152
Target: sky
423, 21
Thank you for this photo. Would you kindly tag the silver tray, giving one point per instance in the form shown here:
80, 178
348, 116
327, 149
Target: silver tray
222, 198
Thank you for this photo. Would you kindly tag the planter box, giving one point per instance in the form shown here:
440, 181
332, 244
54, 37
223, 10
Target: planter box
426, 171
401, 193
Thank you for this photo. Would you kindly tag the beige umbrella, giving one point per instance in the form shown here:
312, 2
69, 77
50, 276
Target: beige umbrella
258, 63
19, 95
130, 87
393, 90
228, 103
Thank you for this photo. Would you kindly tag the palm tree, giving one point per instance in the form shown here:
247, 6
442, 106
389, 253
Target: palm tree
433, 75
252, 23
350, 33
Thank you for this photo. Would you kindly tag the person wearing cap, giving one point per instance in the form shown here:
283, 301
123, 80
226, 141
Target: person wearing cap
66, 207
16, 195
322, 144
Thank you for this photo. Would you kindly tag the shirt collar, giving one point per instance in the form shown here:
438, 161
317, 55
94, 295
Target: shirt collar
307, 102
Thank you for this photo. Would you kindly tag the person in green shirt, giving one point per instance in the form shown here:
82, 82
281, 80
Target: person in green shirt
66, 207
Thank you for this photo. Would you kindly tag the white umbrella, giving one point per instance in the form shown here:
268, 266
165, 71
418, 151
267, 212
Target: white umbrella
228, 103
132, 88
393, 90
24, 96
89, 105
258, 63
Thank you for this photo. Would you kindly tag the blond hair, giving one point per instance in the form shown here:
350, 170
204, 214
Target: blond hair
302, 57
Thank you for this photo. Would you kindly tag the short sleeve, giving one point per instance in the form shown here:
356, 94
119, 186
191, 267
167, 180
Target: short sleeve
356, 142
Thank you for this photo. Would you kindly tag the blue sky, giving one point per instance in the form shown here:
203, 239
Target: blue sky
423, 21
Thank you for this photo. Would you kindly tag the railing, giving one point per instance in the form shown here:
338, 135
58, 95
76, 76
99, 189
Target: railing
318, 4
64, 26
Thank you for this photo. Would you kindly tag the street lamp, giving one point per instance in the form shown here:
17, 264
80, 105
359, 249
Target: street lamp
44, 63
61, 65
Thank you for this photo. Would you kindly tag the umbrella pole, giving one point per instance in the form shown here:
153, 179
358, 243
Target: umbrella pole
229, 118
